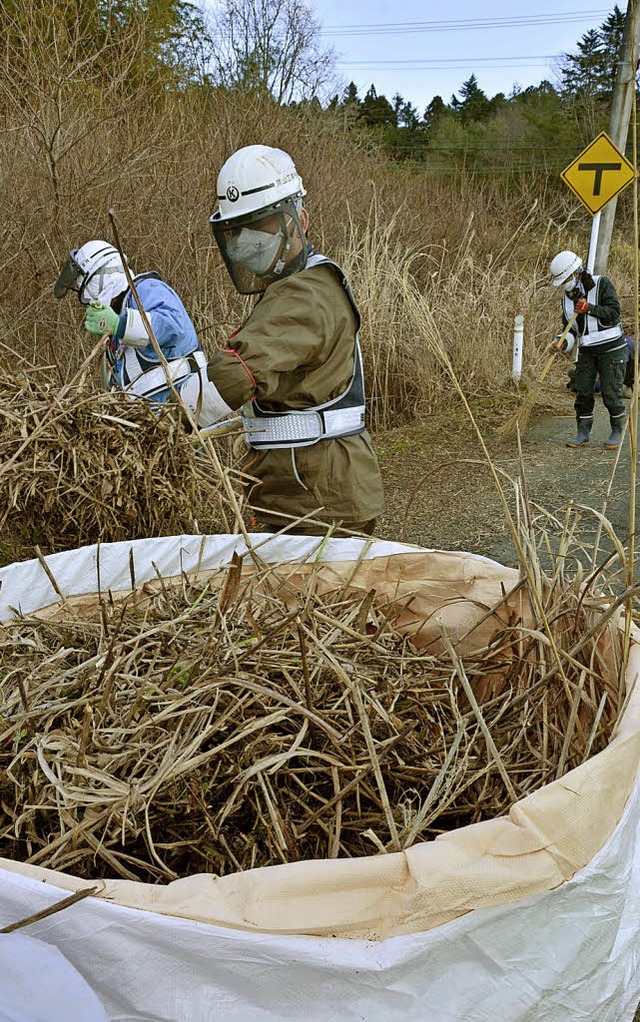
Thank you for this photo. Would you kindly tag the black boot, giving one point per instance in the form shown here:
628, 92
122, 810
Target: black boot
614, 439
585, 423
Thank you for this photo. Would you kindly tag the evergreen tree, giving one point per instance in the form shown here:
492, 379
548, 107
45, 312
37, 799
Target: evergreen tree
376, 111
591, 71
497, 103
434, 113
408, 116
474, 104
351, 94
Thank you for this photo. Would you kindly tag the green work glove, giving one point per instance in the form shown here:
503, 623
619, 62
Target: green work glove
101, 319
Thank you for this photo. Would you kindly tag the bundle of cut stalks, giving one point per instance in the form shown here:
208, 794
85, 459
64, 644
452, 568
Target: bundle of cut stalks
78, 466
225, 723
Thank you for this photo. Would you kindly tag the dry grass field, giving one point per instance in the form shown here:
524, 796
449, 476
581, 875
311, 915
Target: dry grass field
439, 265
79, 136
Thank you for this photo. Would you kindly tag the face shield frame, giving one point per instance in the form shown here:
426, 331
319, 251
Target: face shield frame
70, 278
73, 277
225, 229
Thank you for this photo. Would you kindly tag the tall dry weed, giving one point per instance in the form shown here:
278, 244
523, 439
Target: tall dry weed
82, 132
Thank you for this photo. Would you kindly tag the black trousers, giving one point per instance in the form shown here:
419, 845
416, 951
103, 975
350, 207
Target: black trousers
611, 365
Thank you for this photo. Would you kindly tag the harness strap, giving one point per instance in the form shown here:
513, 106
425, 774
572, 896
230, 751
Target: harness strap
301, 429
152, 382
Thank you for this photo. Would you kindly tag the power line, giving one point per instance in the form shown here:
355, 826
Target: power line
427, 147
407, 65
445, 60
412, 27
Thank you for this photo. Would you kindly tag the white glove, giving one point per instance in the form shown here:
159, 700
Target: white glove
213, 407
565, 346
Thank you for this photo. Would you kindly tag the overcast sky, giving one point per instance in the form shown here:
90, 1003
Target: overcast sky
425, 49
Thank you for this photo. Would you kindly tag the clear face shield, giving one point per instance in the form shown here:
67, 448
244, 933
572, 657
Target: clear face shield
262, 247
70, 278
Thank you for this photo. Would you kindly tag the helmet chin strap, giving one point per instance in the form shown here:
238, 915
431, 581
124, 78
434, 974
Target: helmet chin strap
288, 231
282, 261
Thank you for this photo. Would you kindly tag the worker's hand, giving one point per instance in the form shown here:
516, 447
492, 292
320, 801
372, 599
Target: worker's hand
101, 319
559, 345
582, 306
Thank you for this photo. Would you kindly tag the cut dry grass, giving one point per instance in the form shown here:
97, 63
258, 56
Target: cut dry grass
78, 466
222, 724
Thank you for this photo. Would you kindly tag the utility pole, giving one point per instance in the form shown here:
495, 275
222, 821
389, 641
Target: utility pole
619, 120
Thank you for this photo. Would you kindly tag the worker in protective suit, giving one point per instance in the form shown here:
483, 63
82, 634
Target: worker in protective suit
96, 272
602, 344
294, 368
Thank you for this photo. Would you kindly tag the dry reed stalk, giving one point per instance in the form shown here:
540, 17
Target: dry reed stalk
51, 910
491, 745
207, 726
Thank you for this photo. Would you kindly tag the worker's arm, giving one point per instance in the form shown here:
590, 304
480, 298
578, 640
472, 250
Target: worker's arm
285, 332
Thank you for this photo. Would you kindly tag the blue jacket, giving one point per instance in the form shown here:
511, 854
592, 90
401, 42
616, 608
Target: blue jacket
170, 322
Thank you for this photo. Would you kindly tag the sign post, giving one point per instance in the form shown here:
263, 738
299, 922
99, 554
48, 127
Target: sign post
593, 242
598, 174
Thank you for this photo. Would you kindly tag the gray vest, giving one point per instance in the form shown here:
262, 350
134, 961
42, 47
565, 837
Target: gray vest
593, 332
343, 416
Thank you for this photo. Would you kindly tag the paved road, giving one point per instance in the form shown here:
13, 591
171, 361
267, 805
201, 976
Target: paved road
457, 507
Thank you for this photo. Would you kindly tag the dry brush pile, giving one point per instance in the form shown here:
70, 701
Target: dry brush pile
234, 721
78, 466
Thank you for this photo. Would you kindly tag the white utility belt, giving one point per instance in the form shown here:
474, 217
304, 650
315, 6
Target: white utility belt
153, 381
600, 336
300, 429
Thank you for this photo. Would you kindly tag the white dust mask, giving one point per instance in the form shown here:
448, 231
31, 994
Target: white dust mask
103, 287
255, 250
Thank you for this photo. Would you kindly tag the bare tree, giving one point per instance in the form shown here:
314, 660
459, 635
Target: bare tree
271, 46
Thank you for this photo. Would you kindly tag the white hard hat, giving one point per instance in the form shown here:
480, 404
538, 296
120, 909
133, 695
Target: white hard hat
256, 178
95, 271
562, 266
257, 225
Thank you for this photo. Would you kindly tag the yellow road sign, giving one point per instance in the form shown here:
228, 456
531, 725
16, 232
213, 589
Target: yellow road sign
598, 173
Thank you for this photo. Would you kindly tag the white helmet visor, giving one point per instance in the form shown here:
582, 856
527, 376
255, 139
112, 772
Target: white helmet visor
261, 247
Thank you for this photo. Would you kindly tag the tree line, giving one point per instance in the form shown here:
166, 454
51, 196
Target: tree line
536, 127
273, 49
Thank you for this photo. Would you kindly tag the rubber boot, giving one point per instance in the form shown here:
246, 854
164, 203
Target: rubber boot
614, 439
584, 429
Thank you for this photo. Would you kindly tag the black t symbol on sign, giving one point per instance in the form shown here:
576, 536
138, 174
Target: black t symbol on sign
598, 169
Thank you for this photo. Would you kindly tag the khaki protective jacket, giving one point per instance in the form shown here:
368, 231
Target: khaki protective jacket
297, 351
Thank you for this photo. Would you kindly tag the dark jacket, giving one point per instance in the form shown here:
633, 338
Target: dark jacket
604, 311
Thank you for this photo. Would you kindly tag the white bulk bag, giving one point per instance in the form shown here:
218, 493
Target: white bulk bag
534, 917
